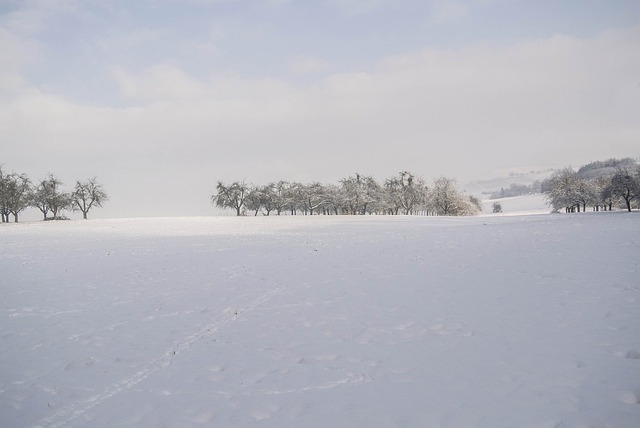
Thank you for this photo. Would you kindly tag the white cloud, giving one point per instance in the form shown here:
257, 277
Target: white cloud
455, 112
158, 83
309, 65
17, 52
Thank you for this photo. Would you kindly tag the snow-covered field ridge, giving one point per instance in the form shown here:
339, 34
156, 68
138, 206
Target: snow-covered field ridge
510, 321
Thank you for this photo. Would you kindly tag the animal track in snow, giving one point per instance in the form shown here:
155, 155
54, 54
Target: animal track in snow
71, 412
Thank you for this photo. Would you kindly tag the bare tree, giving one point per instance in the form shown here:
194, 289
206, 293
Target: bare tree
88, 194
624, 185
48, 196
17, 194
231, 196
4, 196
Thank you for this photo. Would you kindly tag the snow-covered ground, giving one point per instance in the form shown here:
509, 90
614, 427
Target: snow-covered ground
494, 321
518, 205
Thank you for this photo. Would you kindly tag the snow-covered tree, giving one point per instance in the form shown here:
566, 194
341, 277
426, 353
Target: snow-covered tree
269, 198
312, 197
280, 197
561, 189
261, 198
334, 199
294, 195
405, 192
472, 205
444, 198
604, 199
231, 196
88, 194
585, 193
362, 194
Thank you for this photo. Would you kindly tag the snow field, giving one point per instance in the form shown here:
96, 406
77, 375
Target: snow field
528, 321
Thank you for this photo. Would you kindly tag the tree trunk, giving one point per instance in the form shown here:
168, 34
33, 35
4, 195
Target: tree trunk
84, 215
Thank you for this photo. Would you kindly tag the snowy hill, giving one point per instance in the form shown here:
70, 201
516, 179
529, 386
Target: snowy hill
504, 178
495, 321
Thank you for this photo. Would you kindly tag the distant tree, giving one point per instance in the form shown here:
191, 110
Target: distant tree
562, 190
585, 193
4, 197
604, 199
280, 198
362, 194
497, 208
256, 199
373, 195
473, 205
516, 190
268, 198
605, 168
444, 197
88, 194
313, 197
405, 192
294, 195
17, 194
231, 196
49, 197
334, 199
625, 186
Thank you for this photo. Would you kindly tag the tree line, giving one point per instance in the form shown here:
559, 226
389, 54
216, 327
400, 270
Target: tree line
358, 194
600, 185
516, 190
18, 192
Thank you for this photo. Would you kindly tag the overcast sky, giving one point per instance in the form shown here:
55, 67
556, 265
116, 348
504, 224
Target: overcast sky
161, 98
